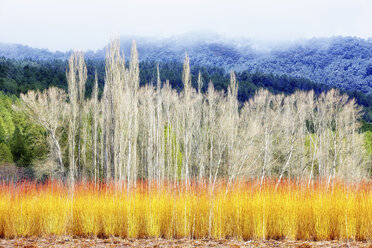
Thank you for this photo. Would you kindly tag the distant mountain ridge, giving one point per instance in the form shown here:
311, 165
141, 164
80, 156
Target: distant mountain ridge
18, 51
344, 62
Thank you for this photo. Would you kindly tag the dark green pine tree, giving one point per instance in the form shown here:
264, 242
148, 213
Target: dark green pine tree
20, 148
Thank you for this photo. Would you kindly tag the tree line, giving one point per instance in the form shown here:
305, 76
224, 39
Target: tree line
19, 76
156, 133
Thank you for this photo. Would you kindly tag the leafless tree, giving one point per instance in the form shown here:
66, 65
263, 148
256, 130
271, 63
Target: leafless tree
48, 109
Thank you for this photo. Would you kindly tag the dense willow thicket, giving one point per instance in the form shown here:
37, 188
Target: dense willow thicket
156, 133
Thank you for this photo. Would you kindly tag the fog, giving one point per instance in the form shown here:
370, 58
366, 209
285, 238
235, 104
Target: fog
89, 24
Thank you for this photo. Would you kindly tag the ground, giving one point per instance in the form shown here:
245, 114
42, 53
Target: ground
117, 242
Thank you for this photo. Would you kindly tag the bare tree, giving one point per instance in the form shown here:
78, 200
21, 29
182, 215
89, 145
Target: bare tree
186, 79
48, 109
95, 112
76, 78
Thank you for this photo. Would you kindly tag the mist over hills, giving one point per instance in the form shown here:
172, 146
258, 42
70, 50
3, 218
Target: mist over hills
343, 62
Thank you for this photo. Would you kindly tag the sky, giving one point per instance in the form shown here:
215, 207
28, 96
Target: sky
89, 24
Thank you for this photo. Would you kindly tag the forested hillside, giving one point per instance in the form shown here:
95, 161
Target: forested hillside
344, 62
19, 76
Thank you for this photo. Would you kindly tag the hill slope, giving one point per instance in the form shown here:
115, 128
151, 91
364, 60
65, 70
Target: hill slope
343, 62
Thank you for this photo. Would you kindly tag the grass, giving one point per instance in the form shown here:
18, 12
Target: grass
242, 211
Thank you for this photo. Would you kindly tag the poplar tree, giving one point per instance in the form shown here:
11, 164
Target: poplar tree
155, 133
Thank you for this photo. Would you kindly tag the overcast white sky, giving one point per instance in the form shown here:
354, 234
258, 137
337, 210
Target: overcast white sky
88, 24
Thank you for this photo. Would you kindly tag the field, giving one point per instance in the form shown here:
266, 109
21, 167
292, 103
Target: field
65, 242
239, 211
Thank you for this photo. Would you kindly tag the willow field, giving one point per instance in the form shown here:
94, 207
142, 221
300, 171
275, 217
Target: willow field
241, 211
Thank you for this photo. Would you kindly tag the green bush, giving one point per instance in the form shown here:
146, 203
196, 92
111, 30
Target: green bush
5, 154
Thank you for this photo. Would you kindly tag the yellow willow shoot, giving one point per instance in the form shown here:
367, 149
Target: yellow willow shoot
167, 210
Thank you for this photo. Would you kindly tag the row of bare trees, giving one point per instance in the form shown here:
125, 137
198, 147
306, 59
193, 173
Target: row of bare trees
156, 133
